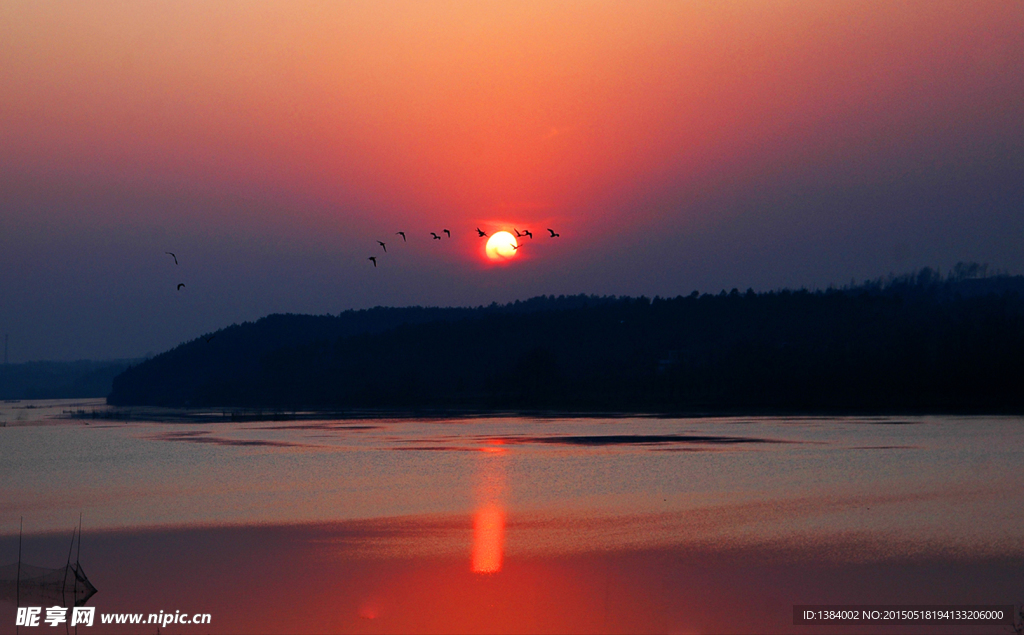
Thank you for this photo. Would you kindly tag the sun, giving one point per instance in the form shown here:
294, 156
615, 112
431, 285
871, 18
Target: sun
501, 246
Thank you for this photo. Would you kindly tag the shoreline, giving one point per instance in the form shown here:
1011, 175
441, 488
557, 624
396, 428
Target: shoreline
97, 411
254, 414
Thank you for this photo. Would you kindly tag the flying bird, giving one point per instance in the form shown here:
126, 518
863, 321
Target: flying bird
516, 247
402, 234
436, 237
180, 285
482, 235
210, 338
527, 232
172, 256
553, 234
374, 259
447, 232
383, 246
518, 235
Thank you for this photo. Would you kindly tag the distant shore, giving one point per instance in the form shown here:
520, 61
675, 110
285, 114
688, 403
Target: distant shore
919, 344
202, 415
14, 413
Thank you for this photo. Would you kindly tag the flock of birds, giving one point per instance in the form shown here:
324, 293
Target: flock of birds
526, 233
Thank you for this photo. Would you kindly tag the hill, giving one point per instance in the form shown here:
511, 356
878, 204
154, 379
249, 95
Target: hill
915, 343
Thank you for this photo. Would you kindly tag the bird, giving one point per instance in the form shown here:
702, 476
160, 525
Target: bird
402, 234
482, 235
374, 259
383, 246
436, 237
180, 285
172, 256
516, 247
447, 232
210, 338
553, 234
518, 235
527, 232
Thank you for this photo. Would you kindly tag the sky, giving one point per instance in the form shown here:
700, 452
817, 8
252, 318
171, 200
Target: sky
674, 146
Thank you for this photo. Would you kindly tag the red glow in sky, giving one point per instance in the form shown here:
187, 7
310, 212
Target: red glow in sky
675, 146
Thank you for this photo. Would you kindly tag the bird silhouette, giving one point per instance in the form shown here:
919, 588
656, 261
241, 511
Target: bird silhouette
172, 256
518, 235
402, 234
383, 246
482, 235
527, 232
553, 234
374, 259
436, 237
447, 232
180, 285
516, 247
210, 338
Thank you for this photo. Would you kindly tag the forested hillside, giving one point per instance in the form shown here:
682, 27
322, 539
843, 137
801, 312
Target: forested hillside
916, 343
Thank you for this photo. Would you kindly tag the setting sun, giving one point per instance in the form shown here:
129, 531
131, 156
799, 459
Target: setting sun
501, 245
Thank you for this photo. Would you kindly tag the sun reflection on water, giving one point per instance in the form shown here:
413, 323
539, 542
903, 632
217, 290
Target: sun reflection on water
489, 519
488, 539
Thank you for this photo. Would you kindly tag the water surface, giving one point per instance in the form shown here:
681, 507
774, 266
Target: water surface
505, 524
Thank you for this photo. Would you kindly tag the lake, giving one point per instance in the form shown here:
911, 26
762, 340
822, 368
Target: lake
515, 524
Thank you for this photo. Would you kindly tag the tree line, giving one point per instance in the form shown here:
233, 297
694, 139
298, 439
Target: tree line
922, 342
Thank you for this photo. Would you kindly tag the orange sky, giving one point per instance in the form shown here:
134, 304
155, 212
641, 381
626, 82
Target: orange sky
734, 132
